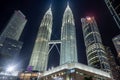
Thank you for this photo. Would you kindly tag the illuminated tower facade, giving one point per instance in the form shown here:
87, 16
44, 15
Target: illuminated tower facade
39, 57
68, 38
95, 50
15, 26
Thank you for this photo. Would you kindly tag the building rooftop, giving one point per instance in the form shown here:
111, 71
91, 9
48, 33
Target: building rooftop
78, 66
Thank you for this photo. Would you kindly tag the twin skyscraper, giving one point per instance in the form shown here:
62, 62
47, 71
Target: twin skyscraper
68, 54
39, 58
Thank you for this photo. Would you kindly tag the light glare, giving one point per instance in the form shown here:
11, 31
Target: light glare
10, 68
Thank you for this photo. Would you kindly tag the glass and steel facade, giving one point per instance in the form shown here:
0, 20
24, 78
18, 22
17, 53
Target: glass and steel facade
9, 49
39, 57
15, 26
68, 38
114, 8
96, 55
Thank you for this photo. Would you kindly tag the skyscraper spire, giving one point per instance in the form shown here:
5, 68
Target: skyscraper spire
50, 6
68, 7
68, 3
49, 11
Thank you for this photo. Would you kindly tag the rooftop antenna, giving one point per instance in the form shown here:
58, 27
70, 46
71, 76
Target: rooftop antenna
51, 3
68, 3
50, 6
49, 10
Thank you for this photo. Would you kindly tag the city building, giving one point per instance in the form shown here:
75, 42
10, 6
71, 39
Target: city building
68, 38
95, 51
15, 26
114, 8
116, 42
115, 71
69, 71
39, 57
9, 50
10, 47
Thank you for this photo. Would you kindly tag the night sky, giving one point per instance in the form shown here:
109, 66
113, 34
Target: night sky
34, 11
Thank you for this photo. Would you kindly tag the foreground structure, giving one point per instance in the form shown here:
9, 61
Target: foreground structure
71, 71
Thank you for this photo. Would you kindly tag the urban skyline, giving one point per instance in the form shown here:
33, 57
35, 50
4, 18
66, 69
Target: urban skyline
53, 32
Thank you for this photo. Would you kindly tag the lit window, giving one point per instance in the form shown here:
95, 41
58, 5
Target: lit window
59, 74
76, 72
62, 73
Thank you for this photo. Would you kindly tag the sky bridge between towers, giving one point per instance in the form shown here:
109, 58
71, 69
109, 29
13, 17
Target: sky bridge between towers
54, 43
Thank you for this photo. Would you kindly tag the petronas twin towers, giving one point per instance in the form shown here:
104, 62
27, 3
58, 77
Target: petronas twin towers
68, 53
68, 37
40, 54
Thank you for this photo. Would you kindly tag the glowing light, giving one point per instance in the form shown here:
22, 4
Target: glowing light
88, 18
10, 68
